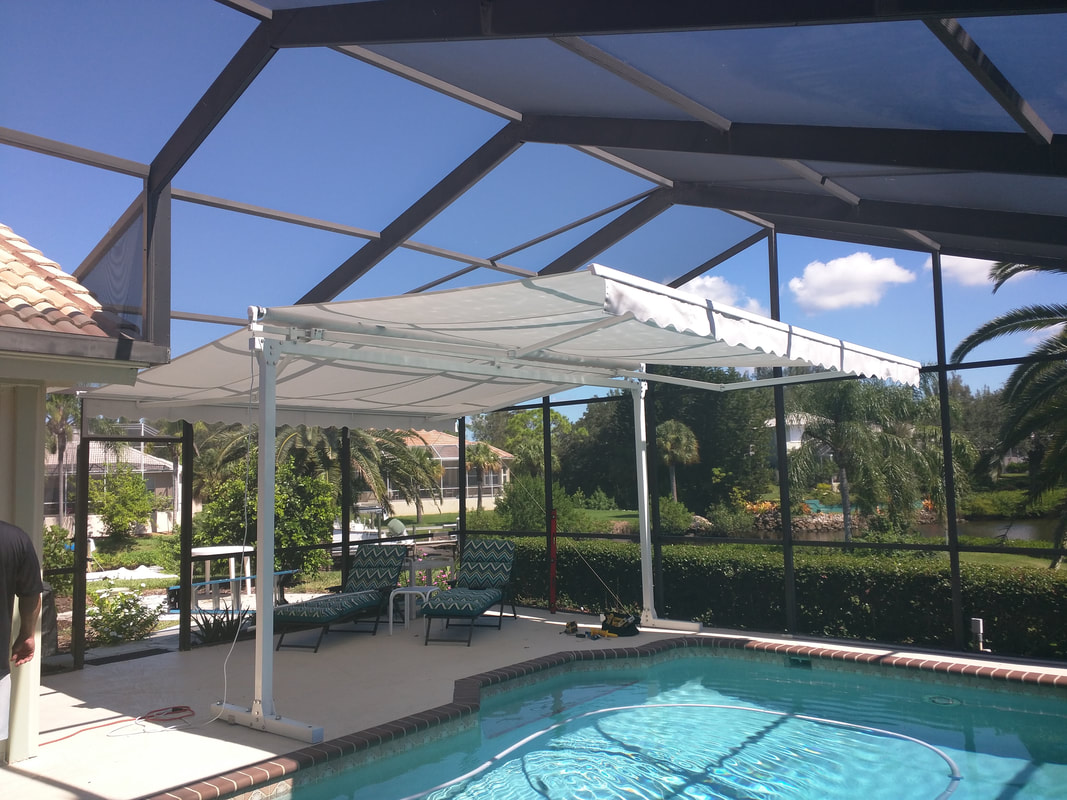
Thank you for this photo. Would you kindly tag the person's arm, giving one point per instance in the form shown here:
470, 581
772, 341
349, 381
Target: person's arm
25, 644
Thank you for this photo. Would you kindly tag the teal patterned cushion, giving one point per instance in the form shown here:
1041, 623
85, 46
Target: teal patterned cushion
461, 602
376, 566
328, 608
486, 564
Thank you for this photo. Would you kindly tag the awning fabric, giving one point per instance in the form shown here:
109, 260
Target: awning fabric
416, 360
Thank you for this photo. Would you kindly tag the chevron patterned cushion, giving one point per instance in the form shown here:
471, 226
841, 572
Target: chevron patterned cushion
461, 602
486, 564
330, 608
375, 566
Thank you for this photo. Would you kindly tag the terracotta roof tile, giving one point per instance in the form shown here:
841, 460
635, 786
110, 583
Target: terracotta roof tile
36, 294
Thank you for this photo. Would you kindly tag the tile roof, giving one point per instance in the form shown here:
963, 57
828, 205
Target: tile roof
35, 294
439, 441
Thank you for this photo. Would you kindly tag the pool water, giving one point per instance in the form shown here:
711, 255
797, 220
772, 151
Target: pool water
710, 726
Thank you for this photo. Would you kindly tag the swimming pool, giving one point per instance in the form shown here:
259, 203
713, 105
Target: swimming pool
710, 724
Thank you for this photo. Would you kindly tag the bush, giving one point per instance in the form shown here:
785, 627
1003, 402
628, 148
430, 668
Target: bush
484, 519
122, 500
729, 520
221, 626
58, 554
674, 517
893, 600
118, 615
522, 507
304, 513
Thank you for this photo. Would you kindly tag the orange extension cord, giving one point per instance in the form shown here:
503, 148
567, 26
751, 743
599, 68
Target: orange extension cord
168, 714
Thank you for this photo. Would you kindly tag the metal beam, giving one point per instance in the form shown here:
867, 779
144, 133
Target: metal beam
627, 222
476, 166
79, 155
643, 81
971, 151
235, 77
385, 21
725, 255
931, 220
976, 62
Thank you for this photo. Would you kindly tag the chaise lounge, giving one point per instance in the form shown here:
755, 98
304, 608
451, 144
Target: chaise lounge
481, 582
375, 572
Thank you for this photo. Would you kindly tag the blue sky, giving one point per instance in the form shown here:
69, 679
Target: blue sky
322, 135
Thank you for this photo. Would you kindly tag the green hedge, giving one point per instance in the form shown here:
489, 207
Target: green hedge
904, 601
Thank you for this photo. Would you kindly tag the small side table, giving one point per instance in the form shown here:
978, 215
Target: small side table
422, 591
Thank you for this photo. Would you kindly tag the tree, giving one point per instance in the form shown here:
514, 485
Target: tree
416, 473
491, 428
304, 513
525, 440
865, 427
122, 500
62, 415
481, 457
677, 445
1035, 394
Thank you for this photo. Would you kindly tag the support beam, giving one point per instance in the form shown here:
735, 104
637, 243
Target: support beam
505, 142
725, 255
970, 151
648, 601
262, 715
387, 21
1019, 227
952, 35
235, 77
620, 227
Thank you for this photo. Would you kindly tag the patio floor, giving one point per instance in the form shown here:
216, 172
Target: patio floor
91, 748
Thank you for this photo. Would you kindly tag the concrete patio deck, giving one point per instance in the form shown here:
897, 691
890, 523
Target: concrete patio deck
92, 748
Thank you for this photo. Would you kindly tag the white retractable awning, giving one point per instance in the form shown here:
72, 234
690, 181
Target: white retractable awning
414, 360
409, 360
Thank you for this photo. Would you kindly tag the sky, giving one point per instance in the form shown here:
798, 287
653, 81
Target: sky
323, 135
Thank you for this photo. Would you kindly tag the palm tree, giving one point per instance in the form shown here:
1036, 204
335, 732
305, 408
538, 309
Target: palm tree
867, 428
416, 473
1035, 394
62, 414
677, 445
481, 457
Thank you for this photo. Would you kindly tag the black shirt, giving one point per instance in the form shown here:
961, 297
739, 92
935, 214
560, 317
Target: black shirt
20, 576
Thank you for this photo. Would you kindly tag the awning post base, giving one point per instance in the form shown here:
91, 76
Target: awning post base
237, 715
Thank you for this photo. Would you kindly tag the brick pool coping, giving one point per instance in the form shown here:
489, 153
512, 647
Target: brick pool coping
467, 697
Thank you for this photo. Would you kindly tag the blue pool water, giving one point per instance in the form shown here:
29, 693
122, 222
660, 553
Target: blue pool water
722, 727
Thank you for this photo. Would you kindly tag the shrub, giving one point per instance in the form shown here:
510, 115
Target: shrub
122, 500
304, 513
894, 600
221, 626
118, 615
522, 507
729, 520
58, 554
674, 517
484, 519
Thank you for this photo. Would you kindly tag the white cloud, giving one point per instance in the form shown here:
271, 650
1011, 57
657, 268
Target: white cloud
966, 271
719, 290
849, 282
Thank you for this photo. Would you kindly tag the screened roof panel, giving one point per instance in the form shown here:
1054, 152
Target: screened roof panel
892, 75
531, 76
1030, 51
997, 192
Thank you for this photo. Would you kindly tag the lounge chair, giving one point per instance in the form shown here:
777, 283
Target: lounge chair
374, 573
481, 583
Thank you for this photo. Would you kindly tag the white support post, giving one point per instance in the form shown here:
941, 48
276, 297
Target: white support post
262, 715
648, 602
648, 606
